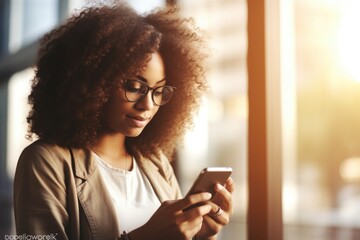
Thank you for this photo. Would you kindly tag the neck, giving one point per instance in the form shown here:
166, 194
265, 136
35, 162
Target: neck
111, 148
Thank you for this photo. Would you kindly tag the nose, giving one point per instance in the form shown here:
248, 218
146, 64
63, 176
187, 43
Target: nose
146, 103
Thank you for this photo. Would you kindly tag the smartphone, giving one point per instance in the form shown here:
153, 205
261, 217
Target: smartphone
207, 179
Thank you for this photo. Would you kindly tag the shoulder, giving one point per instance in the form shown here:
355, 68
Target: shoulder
41, 147
43, 154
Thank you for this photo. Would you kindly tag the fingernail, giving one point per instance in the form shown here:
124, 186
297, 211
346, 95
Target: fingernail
208, 195
219, 187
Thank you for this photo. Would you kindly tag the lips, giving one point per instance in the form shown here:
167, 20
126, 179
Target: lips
138, 121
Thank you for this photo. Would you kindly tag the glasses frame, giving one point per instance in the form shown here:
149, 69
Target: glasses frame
148, 88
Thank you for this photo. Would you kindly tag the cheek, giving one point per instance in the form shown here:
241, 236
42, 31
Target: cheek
155, 110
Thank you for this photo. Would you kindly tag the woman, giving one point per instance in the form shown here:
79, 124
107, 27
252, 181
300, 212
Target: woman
101, 109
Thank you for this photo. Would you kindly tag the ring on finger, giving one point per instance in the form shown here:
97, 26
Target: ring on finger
218, 212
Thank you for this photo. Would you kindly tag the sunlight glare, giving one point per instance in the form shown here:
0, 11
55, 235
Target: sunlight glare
349, 39
350, 169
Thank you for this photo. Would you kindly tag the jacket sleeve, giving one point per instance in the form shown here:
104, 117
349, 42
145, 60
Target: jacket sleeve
40, 194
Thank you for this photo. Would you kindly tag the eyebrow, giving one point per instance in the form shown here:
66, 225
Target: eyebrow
145, 80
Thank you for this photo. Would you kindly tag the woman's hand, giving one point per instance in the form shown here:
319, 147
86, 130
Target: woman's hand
221, 210
171, 222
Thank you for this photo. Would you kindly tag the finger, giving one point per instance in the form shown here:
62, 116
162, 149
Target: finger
223, 197
222, 193
195, 212
229, 185
178, 205
193, 219
213, 226
194, 200
216, 222
190, 227
218, 214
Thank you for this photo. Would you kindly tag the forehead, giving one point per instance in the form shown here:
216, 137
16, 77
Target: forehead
154, 70
143, 79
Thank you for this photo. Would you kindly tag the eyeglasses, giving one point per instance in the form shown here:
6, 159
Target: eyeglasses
136, 90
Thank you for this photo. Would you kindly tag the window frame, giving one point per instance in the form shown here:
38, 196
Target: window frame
264, 217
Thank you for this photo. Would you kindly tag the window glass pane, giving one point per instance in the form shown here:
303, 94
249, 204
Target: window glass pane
76, 4
39, 17
139, 5
324, 204
219, 136
144, 6
29, 19
19, 89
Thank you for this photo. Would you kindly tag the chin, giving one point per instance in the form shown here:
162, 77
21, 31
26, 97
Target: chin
134, 133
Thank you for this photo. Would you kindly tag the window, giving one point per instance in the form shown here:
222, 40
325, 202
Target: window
29, 20
220, 134
18, 90
323, 177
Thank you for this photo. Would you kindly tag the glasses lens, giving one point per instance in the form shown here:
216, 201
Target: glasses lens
134, 90
162, 95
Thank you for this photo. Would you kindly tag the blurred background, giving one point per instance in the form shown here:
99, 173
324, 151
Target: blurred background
320, 90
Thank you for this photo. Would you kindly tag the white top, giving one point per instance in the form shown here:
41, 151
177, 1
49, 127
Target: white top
131, 193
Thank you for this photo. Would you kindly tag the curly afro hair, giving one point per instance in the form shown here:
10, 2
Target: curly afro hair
80, 63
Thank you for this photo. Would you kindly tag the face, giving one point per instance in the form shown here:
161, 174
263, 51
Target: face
130, 118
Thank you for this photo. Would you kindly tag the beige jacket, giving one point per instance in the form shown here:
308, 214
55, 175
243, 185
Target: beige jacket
59, 192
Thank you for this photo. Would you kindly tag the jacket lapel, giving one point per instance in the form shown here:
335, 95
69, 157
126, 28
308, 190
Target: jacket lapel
93, 196
157, 179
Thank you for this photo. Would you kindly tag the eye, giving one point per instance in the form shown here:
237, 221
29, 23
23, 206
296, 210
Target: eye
158, 92
133, 89
134, 86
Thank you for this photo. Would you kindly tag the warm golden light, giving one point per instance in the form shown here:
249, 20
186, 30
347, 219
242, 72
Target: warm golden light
349, 39
350, 169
